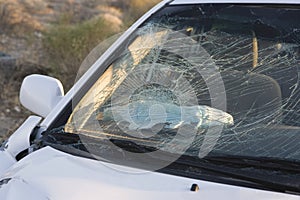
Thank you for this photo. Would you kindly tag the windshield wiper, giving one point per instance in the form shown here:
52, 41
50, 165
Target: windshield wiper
73, 143
272, 180
268, 163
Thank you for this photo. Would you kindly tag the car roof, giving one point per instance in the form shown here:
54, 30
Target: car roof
176, 2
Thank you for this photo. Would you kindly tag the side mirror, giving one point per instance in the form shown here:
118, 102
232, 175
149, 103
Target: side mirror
40, 94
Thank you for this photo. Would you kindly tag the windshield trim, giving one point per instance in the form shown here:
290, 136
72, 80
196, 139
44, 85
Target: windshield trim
181, 2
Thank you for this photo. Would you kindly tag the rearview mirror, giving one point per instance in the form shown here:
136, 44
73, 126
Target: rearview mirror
40, 94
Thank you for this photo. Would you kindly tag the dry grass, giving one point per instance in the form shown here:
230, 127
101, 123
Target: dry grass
133, 9
14, 18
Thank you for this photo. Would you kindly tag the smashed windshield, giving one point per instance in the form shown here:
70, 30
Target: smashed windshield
202, 80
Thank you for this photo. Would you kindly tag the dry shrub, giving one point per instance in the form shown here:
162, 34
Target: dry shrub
66, 46
136, 8
14, 17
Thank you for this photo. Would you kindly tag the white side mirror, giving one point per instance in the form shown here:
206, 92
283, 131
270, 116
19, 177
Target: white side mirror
40, 94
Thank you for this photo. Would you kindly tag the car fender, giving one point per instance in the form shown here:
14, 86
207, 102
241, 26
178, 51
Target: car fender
17, 142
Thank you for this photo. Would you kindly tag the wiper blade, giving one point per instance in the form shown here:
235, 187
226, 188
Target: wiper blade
272, 182
132, 146
259, 162
59, 138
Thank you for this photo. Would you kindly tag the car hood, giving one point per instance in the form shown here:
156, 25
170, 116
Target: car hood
52, 174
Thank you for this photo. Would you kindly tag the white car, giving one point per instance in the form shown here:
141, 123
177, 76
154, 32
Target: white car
199, 99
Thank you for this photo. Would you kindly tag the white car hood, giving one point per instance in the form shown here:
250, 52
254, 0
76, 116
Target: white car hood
51, 174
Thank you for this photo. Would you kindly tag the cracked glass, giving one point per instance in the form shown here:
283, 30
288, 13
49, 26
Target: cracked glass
223, 77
